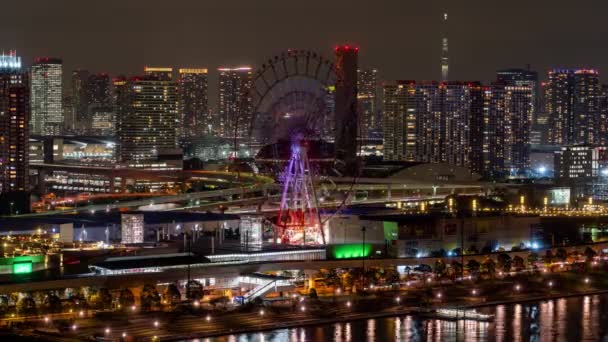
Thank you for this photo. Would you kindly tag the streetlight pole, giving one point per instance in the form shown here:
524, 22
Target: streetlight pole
363, 255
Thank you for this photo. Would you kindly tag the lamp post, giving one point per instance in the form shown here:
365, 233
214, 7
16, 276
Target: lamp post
363, 255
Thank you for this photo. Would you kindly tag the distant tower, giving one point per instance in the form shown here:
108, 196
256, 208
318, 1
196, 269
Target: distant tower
444, 48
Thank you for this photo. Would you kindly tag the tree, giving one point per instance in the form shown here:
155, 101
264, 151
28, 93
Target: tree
3, 305
101, 299
456, 267
194, 290
149, 297
439, 268
126, 298
589, 253
26, 305
532, 257
312, 293
347, 280
473, 266
561, 254
518, 263
489, 266
52, 303
332, 278
548, 259
172, 294
391, 275
504, 262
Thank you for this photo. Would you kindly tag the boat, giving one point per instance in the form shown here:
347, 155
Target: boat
456, 315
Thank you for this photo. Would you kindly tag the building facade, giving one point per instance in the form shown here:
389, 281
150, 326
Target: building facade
46, 96
572, 101
194, 104
235, 101
367, 97
146, 121
346, 120
14, 125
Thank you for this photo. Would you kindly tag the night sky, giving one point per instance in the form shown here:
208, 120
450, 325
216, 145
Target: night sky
401, 38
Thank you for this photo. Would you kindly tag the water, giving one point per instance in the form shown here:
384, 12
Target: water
567, 319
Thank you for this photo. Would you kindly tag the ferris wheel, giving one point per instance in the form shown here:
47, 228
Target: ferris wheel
292, 124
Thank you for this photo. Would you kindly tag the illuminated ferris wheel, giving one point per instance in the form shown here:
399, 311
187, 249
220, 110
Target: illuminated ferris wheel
293, 126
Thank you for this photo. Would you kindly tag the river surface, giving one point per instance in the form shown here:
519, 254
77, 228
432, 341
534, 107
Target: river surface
567, 319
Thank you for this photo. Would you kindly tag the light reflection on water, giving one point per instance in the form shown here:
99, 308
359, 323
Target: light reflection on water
571, 319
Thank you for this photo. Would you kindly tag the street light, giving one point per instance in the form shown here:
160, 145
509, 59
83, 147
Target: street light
208, 318
303, 308
261, 312
474, 292
107, 331
348, 304
586, 280
517, 287
156, 324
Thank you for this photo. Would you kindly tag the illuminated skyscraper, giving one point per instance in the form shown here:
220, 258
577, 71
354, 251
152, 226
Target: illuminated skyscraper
507, 144
160, 73
235, 102
370, 120
193, 102
146, 121
14, 117
586, 109
522, 77
444, 49
46, 96
80, 98
346, 103
573, 105
400, 136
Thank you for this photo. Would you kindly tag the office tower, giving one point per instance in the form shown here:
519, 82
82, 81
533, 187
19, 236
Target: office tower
399, 105
80, 96
193, 101
146, 118
444, 49
159, 73
346, 103
586, 109
235, 101
370, 120
99, 114
14, 125
46, 96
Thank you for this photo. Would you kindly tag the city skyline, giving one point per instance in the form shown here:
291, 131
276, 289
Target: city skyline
481, 41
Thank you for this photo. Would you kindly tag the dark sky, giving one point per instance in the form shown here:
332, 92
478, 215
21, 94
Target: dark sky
401, 38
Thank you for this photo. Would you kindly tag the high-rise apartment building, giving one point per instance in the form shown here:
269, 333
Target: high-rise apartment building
462, 123
367, 91
400, 135
146, 119
522, 77
346, 120
194, 104
46, 96
14, 125
586, 109
573, 105
235, 102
